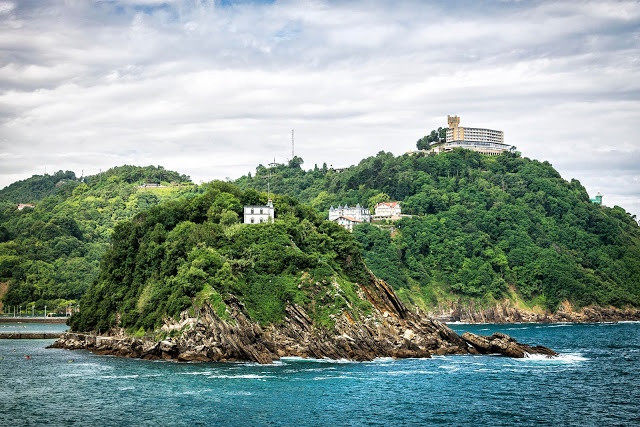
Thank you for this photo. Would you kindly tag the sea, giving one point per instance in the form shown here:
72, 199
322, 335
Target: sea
595, 382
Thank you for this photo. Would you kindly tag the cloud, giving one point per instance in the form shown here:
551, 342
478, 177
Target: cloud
212, 89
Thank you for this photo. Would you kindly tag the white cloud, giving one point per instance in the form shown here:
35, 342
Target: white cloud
212, 90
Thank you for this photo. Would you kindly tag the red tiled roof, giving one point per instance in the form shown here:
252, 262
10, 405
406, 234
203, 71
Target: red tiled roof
390, 204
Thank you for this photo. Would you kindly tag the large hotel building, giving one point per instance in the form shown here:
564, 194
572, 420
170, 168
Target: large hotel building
485, 141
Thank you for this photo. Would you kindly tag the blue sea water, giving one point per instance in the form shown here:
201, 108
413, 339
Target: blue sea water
594, 382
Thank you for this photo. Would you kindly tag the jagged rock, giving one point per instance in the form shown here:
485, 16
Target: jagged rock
505, 312
391, 330
504, 344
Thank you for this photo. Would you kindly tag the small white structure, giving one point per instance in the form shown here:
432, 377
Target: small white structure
259, 214
347, 222
25, 205
388, 210
357, 212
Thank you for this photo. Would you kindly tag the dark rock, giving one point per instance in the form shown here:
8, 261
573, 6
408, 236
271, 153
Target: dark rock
504, 344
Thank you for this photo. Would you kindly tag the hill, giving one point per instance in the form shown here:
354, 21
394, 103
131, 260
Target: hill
50, 254
483, 230
184, 280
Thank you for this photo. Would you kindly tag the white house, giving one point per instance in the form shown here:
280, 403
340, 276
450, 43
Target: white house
357, 212
259, 214
347, 222
388, 210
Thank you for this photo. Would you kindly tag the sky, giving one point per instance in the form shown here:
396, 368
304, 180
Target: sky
211, 89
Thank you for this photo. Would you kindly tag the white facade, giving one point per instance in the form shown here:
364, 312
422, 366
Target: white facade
357, 212
486, 141
346, 222
259, 214
388, 210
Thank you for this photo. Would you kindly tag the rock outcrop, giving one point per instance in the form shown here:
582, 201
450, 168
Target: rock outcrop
391, 330
506, 312
500, 343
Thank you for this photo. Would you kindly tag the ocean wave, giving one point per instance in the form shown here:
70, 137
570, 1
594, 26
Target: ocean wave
111, 377
302, 359
195, 373
244, 376
563, 358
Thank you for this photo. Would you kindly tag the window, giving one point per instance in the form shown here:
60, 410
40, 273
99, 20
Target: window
260, 213
252, 220
251, 210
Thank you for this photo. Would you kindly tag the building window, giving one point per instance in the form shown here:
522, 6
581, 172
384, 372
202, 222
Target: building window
252, 220
260, 211
251, 210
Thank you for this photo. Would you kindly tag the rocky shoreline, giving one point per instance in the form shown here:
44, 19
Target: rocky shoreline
507, 313
390, 331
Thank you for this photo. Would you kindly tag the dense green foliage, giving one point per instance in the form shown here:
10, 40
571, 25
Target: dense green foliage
435, 136
180, 254
36, 188
49, 255
483, 228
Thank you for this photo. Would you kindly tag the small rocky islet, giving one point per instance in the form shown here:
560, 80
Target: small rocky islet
390, 331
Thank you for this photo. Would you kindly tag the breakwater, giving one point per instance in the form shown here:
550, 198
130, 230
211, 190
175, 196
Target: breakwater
30, 335
25, 319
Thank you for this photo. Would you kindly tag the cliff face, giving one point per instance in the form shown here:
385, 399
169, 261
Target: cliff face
506, 312
390, 331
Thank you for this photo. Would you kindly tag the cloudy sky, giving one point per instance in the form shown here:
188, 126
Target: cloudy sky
213, 88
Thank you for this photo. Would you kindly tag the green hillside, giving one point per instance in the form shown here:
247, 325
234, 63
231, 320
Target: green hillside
50, 254
186, 252
483, 228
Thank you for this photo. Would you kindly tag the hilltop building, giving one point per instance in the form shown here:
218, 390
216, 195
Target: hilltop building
25, 205
390, 210
598, 199
486, 141
357, 213
259, 214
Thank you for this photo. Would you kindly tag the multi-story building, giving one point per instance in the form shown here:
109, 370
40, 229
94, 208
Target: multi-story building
259, 214
390, 210
485, 141
357, 212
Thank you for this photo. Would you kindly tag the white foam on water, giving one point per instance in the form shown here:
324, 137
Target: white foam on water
336, 377
193, 392
195, 373
302, 359
244, 376
416, 372
126, 388
110, 377
449, 367
561, 358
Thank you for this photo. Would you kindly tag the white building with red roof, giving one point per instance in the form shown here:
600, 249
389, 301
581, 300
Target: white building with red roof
347, 222
388, 210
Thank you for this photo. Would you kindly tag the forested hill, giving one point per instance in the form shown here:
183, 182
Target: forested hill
50, 254
483, 228
188, 252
